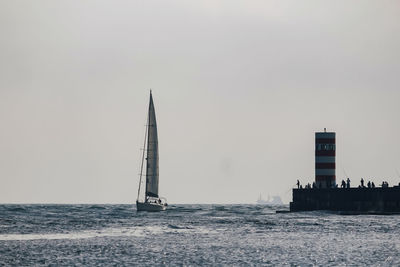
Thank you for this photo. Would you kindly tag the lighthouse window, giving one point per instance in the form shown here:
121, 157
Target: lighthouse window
325, 147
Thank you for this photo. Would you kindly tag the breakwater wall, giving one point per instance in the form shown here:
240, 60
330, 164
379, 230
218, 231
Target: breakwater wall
362, 200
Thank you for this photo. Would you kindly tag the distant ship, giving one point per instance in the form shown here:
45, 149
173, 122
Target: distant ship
151, 201
276, 200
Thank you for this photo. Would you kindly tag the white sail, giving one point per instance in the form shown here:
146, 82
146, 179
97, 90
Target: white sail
152, 153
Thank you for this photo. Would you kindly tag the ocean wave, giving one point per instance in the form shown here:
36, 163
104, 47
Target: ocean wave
73, 235
16, 209
107, 232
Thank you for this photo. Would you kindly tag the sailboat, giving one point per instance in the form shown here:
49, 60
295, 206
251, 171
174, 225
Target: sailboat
152, 201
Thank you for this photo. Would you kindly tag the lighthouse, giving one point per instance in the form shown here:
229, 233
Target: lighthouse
326, 196
325, 159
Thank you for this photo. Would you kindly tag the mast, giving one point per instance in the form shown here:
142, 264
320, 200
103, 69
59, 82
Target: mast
141, 166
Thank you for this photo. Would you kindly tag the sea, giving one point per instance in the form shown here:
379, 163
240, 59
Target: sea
193, 235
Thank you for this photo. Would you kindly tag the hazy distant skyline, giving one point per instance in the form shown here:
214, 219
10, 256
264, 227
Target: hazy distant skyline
239, 88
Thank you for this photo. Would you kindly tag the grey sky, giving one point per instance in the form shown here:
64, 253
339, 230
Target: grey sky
239, 87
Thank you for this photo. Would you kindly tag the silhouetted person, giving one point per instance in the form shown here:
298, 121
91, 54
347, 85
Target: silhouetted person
369, 184
343, 184
372, 185
314, 185
298, 184
348, 182
362, 182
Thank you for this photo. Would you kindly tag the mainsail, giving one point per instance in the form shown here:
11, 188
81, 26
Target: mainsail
152, 153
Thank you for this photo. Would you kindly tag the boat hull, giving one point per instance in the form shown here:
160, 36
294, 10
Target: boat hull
140, 206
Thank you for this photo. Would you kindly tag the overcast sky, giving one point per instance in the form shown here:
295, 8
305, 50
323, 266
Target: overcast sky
239, 88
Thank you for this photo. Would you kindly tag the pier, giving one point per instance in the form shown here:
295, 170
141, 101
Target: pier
357, 200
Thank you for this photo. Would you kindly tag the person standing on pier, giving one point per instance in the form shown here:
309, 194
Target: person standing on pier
348, 182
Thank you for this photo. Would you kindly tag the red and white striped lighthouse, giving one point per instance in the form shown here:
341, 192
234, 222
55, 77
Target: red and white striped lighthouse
325, 159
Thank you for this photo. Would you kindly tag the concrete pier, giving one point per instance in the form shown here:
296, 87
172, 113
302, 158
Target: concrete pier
356, 200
